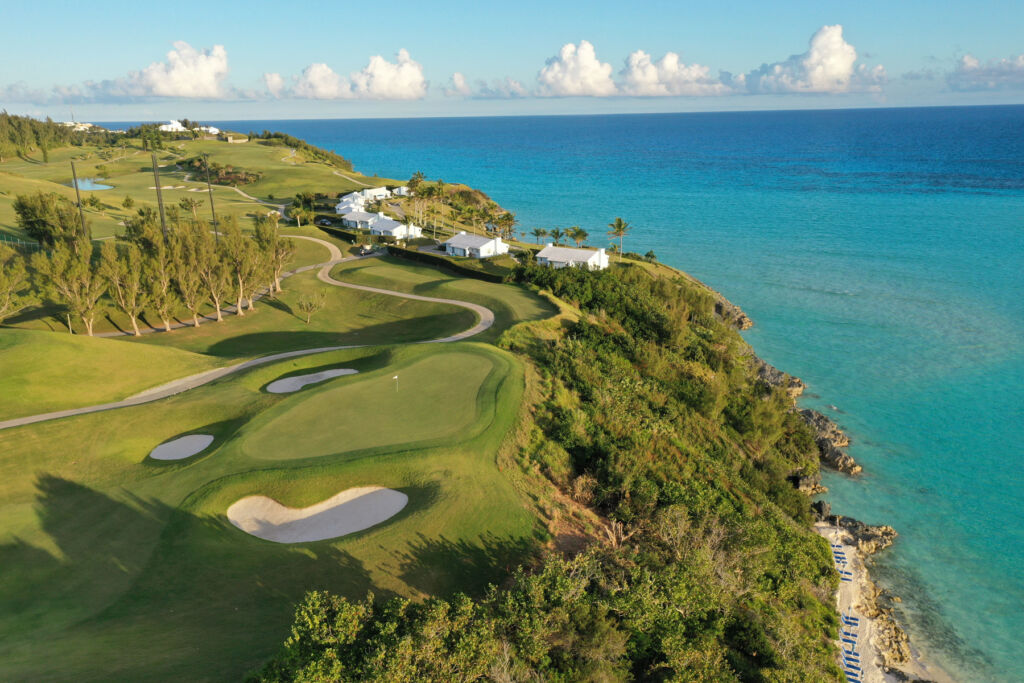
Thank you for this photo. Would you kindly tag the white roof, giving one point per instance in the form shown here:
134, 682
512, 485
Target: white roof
352, 196
384, 223
359, 216
467, 241
566, 254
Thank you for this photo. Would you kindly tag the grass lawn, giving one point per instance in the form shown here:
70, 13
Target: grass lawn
433, 398
349, 317
114, 567
45, 371
511, 303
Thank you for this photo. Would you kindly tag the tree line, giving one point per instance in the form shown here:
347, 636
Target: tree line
24, 135
185, 269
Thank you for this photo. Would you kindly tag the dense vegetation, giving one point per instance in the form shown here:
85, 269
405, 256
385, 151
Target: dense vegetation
187, 268
220, 173
649, 414
23, 135
310, 151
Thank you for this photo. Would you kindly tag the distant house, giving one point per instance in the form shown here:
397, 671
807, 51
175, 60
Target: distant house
475, 246
232, 139
358, 219
173, 127
209, 130
349, 203
372, 194
388, 227
402, 191
561, 257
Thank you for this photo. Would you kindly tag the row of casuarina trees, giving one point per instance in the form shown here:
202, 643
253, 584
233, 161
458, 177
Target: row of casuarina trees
149, 271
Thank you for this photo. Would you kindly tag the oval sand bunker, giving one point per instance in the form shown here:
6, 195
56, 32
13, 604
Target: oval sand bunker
290, 384
182, 447
350, 511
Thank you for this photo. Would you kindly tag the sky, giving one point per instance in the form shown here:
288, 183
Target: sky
119, 61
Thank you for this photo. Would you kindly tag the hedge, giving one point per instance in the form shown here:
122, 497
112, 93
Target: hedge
444, 262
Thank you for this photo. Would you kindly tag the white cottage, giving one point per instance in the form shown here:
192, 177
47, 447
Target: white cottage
173, 127
372, 194
349, 203
561, 257
402, 191
475, 246
388, 227
358, 219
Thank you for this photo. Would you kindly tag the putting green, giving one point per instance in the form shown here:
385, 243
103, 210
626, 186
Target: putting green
434, 397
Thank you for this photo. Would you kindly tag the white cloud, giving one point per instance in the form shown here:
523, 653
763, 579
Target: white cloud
576, 71
502, 88
378, 80
274, 83
186, 73
384, 80
668, 76
826, 67
457, 86
971, 74
319, 82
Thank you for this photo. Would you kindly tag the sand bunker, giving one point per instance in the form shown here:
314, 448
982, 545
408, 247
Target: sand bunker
290, 384
182, 447
346, 513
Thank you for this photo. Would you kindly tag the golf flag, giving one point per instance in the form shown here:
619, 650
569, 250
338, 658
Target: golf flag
395, 377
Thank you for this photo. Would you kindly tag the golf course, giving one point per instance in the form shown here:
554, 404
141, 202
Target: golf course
103, 544
263, 441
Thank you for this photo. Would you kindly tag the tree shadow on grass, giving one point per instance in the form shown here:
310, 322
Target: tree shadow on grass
418, 329
280, 305
439, 566
179, 593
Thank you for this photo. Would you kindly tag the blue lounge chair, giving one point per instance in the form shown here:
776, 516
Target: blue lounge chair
846, 579
847, 640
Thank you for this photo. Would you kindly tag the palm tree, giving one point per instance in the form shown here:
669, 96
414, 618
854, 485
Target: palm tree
417, 178
556, 235
577, 235
619, 229
507, 222
538, 233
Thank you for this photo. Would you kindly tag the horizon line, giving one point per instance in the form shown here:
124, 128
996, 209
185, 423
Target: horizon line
598, 114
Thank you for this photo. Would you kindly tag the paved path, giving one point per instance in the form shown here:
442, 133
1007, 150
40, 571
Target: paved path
358, 182
198, 380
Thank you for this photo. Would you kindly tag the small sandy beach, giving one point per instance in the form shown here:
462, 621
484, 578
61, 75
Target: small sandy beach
850, 601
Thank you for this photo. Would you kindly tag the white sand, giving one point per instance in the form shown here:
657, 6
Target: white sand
848, 601
290, 384
182, 447
350, 511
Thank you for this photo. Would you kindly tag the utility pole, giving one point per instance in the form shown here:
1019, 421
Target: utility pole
216, 232
78, 194
159, 195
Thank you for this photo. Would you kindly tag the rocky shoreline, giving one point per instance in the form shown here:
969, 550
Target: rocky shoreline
890, 640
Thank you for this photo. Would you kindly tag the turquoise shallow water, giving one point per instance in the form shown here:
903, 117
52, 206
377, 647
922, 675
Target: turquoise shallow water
880, 253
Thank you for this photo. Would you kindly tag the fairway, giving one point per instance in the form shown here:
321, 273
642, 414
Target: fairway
103, 549
433, 397
43, 371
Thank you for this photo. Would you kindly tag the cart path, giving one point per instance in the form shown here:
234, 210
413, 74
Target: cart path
193, 381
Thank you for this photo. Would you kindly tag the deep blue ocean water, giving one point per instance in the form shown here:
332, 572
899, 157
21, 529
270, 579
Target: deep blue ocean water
880, 254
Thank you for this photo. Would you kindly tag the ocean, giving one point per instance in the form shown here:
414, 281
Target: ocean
881, 255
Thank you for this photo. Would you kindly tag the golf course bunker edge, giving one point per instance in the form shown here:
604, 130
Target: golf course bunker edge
345, 513
287, 385
182, 447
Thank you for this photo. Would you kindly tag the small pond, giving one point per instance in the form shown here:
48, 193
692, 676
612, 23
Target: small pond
90, 184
